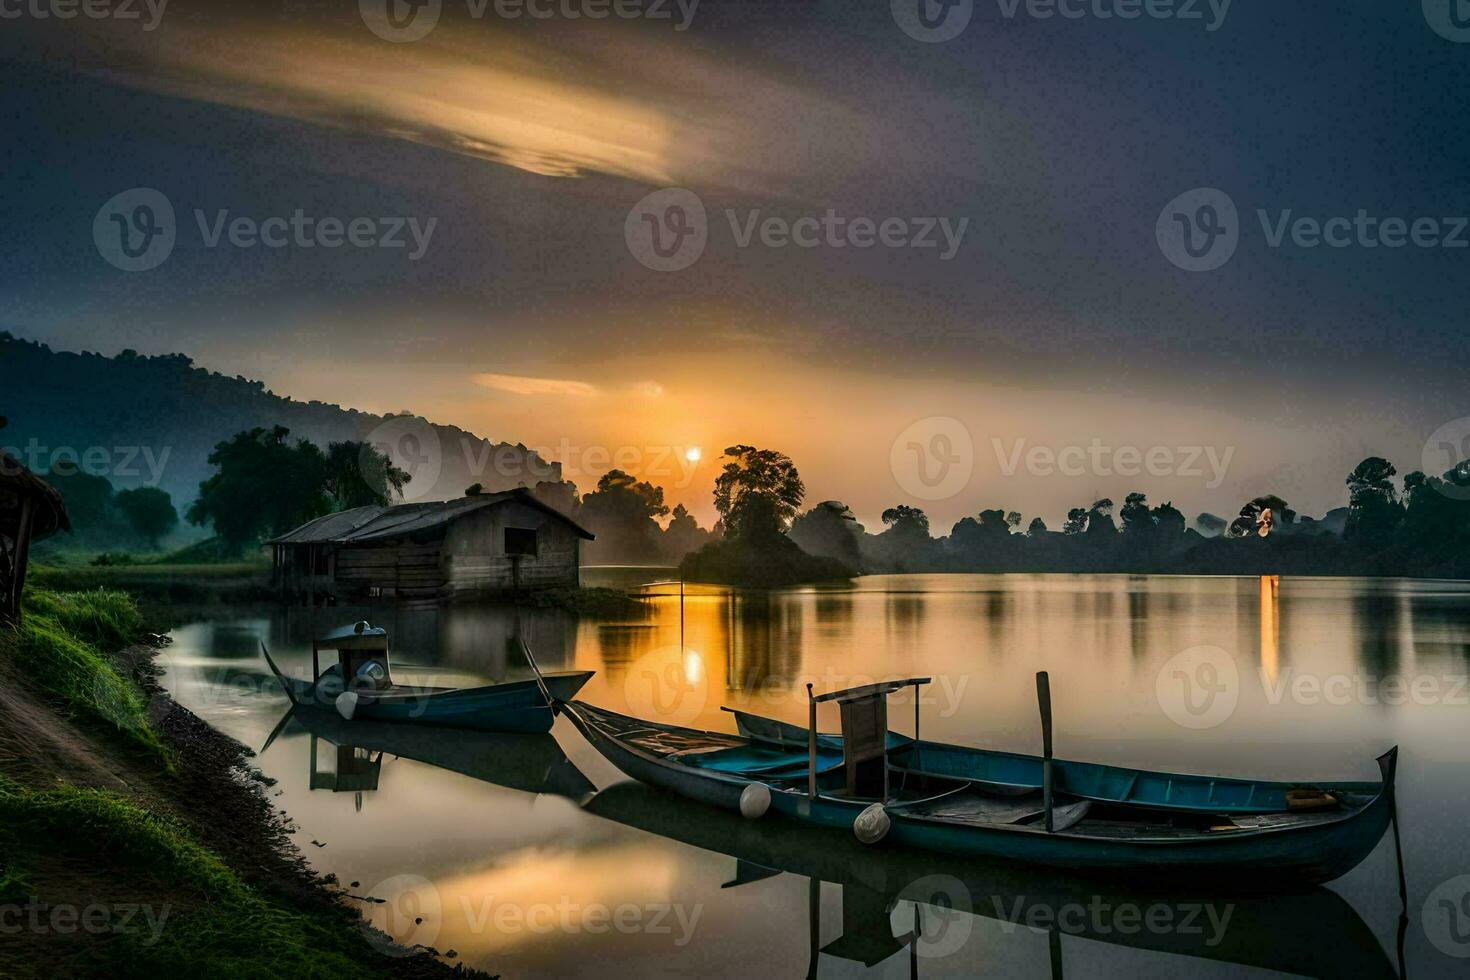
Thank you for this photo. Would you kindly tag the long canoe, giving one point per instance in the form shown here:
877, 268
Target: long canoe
519, 706
964, 816
1010, 772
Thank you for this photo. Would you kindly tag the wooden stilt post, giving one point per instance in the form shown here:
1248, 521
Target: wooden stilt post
22, 555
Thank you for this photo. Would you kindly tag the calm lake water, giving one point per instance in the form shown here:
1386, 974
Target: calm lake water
534, 857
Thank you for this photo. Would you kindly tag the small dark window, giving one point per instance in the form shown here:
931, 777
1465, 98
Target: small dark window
520, 541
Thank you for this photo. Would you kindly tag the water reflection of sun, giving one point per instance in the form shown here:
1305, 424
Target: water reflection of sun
1270, 626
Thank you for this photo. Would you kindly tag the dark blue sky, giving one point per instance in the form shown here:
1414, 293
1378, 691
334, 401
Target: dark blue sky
1058, 141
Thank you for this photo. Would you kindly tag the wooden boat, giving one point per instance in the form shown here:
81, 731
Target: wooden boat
1018, 774
360, 686
861, 782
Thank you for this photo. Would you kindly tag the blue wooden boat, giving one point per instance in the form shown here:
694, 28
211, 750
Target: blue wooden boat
360, 685
1016, 773
861, 781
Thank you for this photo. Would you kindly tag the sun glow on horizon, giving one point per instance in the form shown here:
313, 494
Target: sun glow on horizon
693, 454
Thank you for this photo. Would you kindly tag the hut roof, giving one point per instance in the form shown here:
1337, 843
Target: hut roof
378, 523
50, 514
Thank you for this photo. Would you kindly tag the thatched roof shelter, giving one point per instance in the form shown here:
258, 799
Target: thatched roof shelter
30, 510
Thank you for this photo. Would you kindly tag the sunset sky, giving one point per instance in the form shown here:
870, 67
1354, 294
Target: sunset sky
528, 318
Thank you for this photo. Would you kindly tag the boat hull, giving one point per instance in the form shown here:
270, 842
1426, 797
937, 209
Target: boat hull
1269, 860
518, 707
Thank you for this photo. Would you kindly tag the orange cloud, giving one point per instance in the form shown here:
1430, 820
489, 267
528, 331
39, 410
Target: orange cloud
518, 384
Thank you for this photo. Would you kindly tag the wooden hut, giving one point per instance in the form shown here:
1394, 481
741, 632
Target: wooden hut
30, 510
489, 544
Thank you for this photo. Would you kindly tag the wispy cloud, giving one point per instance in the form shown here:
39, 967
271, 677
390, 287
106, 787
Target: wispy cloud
623, 104
518, 384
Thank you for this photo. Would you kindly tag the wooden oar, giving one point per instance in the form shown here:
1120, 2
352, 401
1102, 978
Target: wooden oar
1043, 695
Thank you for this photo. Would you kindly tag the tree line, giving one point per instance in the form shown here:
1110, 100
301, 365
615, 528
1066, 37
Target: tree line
265, 483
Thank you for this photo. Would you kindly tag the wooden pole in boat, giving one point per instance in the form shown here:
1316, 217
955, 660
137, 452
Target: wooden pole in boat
916, 717
540, 681
811, 745
1043, 696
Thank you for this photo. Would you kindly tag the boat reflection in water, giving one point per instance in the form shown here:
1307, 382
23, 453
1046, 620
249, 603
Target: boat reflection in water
530, 763
894, 903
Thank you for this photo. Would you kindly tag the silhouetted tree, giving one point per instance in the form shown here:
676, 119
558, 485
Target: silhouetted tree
622, 512
263, 485
1036, 528
683, 535
907, 521
1374, 511
1076, 521
149, 511
88, 498
757, 492
832, 530
361, 475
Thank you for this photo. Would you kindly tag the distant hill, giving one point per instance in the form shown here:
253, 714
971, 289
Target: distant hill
154, 421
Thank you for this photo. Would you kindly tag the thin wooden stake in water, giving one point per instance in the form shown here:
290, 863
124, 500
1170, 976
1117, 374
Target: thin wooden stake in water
811, 746
1043, 696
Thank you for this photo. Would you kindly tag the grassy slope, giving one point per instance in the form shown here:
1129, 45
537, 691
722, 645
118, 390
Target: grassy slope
240, 901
